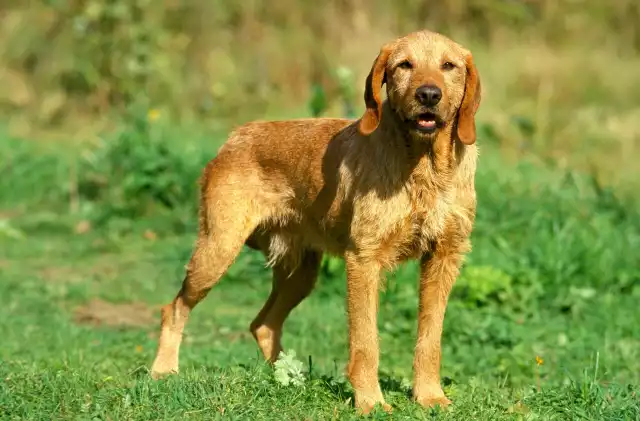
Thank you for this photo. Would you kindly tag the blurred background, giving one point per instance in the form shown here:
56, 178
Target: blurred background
109, 109
565, 69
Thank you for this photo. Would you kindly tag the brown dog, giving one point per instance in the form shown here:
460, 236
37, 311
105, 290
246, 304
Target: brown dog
397, 184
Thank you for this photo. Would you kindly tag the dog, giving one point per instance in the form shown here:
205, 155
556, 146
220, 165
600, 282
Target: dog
395, 184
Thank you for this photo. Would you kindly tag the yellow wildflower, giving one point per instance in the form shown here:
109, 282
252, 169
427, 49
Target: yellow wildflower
153, 114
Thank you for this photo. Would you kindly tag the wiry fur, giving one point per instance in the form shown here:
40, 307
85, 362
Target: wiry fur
375, 191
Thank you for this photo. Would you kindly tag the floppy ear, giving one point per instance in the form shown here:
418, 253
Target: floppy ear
372, 115
470, 104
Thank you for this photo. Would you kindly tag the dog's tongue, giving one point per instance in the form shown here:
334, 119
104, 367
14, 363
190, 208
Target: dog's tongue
426, 123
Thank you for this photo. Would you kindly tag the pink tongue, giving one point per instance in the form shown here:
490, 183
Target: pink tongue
427, 123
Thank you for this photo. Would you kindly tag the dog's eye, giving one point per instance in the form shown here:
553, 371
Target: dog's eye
405, 65
447, 65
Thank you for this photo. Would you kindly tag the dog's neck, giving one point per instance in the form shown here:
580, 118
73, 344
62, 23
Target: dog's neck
421, 160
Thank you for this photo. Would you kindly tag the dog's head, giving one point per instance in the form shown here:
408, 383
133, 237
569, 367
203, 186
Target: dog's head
432, 83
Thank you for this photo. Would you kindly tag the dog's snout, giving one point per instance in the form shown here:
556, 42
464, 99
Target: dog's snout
428, 95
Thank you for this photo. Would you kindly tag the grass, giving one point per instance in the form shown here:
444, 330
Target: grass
542, 323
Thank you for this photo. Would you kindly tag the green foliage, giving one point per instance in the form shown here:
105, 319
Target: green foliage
318, 100
140, 168
480, 285
117, 44
288, 370
346, 85
87, 58
8, 231
108, 54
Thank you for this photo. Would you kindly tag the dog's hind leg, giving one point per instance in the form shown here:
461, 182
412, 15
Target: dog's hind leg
288, 290
227, 219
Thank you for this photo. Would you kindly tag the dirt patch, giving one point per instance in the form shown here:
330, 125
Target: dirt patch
8, 214
59, 274
102, 313
77, 273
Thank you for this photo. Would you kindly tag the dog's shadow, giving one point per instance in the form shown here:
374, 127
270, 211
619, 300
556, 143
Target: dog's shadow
390, 384
342, 390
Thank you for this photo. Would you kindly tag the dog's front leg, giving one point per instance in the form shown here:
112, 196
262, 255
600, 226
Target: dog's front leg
363, 276
438, 274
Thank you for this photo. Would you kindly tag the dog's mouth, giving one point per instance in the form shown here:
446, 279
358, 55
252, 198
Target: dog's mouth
427, 123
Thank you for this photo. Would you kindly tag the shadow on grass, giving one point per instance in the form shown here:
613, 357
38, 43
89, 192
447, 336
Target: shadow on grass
341, 389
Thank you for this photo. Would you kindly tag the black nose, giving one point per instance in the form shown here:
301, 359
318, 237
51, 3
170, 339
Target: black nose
428, 95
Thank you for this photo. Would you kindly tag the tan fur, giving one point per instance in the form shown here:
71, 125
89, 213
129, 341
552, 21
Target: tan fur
375, 191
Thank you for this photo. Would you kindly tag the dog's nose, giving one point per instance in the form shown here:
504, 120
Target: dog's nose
428, 95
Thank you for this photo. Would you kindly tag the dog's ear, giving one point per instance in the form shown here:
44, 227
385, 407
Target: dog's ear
377, 77
470, 104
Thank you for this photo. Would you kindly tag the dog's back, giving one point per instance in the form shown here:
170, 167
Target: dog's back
291, 170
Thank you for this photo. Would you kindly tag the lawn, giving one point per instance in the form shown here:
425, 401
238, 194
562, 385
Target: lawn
543, 323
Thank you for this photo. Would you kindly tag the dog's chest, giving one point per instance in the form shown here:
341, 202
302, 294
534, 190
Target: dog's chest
419, 218
429, 209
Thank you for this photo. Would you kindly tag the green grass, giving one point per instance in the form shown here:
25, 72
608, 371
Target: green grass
554, 274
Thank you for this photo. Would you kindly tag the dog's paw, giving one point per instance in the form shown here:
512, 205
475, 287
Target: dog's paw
365, 406
433, 401
159, 370
158, 374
